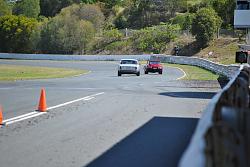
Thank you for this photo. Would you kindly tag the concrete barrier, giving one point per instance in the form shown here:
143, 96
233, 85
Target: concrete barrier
72, 57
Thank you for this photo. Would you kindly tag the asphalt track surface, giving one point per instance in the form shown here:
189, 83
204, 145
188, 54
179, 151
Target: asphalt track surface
127, 121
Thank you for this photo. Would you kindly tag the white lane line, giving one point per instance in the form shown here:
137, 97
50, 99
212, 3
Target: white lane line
36, 113
18, 117
90, 98
73, 101
82, 74
184, 73
24, 118
67, 103
97, 94
6, 88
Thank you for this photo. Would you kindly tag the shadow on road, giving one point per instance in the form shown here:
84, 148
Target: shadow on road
198, 95
156, 73
158, 143
125, 75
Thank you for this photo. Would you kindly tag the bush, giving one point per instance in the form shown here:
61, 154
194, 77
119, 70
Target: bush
119, 47
108, 37
112, 35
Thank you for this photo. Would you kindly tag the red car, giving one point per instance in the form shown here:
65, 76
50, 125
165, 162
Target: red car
153, 66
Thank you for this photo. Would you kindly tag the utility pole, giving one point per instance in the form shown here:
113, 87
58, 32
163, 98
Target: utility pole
248, 36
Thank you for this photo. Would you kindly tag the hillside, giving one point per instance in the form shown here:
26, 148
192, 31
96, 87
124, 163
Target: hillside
222, 49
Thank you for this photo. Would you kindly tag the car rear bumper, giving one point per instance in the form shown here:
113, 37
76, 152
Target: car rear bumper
128, 71
153, 69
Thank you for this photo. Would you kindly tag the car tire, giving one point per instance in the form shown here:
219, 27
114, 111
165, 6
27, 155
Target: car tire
146, 72
138, 73
119, 74
160, 72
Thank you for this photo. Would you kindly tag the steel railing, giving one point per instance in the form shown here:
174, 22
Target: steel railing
222, 137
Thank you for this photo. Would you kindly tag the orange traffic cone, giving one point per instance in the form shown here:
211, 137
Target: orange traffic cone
42, 103
1, 115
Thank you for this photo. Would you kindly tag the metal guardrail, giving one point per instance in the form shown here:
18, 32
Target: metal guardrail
222, 137
226, 70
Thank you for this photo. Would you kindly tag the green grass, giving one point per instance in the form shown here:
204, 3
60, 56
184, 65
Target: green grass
16, 72
195, 73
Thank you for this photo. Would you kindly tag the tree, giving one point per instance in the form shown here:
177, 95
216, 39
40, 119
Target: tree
93, 14
28, 8
205, 25
50, 8
88, 1
16, 33
121, 22
145, 13
66, 34
225, 9
184, 20
172, 6
154, 39
111, 3
87, 12
4, 8
193, 8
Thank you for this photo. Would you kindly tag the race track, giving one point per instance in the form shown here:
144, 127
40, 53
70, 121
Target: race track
110, 121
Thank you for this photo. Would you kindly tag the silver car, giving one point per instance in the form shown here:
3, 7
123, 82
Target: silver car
129, 66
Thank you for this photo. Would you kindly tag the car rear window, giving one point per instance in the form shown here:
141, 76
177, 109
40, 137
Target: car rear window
128, 62
154, 62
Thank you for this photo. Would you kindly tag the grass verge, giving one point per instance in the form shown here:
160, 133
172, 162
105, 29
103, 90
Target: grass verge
16, 72
195, 73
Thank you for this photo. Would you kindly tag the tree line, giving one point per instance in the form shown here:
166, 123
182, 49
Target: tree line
92, 26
